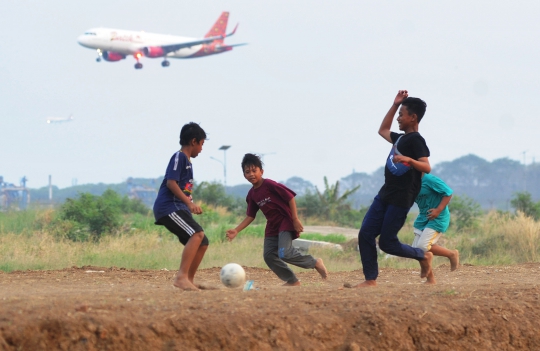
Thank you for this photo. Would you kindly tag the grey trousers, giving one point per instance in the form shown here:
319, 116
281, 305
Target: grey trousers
278, 250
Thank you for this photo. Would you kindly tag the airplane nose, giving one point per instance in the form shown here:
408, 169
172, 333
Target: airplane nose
82, 40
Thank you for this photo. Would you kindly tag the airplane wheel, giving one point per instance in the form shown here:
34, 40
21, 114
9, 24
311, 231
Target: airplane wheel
165, 63
138, 65
98, 59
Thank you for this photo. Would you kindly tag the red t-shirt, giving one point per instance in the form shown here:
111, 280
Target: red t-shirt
273, 200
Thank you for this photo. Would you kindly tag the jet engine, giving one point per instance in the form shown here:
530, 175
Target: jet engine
113, 56
154, 51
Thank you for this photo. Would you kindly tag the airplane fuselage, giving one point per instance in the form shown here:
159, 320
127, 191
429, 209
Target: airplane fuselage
128, 42
116, 44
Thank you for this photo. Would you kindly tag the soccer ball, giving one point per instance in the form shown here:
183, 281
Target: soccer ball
232, 275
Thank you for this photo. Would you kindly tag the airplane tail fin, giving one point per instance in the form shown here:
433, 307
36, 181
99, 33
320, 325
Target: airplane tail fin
219, 28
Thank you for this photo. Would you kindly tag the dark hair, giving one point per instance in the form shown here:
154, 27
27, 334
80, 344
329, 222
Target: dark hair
416, 106
191, 131
251, 160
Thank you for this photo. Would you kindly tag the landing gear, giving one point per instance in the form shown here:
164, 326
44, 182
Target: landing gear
165, 63
137, 56
98, 59
100, 54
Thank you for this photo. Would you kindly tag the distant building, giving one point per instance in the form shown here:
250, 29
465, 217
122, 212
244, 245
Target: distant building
14, 197
146, 194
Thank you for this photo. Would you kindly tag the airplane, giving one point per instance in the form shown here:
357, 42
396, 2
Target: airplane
59, 119
115, 44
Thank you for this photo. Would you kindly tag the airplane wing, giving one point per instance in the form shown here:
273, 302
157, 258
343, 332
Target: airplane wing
235, 45
188, 44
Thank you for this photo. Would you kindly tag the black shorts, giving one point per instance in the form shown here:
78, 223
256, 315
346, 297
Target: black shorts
182, 224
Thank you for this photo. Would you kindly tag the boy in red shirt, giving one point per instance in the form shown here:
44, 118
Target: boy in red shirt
277, 203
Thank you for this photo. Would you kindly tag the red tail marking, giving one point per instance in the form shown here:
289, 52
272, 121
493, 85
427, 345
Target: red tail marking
219, 28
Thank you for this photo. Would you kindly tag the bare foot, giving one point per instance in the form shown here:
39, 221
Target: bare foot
366, 284
319, 266
431, 278
184, 284
425, 264
454, 260
296, 283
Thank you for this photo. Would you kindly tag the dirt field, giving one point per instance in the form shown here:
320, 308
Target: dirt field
92, 308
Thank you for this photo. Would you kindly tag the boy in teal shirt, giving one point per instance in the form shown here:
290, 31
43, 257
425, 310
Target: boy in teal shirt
433, 220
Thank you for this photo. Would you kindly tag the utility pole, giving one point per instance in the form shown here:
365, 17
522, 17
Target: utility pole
224, 162
524, 170
50, 189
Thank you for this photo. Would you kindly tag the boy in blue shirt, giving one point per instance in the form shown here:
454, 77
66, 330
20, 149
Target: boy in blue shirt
174, 205
433, 220
407, 160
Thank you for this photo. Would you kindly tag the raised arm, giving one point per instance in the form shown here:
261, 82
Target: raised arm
384, 129
232, 233
175, 189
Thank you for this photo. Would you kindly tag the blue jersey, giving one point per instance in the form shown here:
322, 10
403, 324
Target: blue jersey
431, 193
181, 171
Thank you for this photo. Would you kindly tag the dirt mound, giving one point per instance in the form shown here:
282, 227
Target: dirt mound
96, 308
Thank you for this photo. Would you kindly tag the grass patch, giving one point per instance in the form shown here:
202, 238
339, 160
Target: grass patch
33, 240
330, 238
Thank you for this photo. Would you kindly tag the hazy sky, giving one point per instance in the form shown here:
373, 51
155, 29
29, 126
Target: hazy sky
311, 87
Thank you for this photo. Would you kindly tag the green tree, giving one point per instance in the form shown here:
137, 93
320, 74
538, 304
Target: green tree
212, 193
309, 204
332, 202
464, 211
523, 202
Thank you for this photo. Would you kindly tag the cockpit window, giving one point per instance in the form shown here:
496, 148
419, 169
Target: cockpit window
89, 33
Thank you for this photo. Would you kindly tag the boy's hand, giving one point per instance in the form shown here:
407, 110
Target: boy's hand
433, 213
298, 225
195, 209
402, 159
231, 234
401, 95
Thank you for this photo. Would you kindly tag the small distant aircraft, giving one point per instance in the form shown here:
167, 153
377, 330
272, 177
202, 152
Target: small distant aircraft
116, 44
59, 119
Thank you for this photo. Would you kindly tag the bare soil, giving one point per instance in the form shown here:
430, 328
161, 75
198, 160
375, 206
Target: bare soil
93, 308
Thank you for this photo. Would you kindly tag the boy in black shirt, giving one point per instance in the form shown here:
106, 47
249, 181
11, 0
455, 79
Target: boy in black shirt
406, 162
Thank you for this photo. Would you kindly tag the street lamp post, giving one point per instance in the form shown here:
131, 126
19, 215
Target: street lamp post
224, 163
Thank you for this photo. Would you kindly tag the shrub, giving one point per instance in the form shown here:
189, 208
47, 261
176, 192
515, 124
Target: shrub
501, 239
464, 211
523, 203
88, 216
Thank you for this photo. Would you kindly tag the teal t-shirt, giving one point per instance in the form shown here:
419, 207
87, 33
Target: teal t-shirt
430, 196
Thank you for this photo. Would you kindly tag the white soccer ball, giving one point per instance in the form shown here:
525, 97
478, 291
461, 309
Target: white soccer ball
232, 275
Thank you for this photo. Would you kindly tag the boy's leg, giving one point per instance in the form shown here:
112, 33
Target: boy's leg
393, 221
417, 242
198, 258
191, 235
453, 255
277, 265
188, 255
428, 242
291, 255
371, 228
